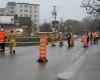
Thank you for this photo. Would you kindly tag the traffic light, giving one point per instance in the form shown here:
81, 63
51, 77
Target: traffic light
55, 24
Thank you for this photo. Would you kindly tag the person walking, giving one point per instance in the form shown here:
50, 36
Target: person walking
71, 40
2, 41
97, 37
91, 38
68, 36
94, 38
85, 41
12, 41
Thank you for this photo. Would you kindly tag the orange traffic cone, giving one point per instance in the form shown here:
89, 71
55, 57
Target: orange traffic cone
42, 49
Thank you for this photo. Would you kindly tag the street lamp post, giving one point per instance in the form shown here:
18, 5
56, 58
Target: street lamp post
54, 13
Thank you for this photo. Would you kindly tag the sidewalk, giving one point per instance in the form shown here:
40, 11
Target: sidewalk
90, 69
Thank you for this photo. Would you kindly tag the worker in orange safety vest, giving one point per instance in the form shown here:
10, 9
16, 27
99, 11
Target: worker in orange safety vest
71, 40
85, 41
2, 41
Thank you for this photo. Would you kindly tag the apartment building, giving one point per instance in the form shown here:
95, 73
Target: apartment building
2, 11
22, 10
10, 8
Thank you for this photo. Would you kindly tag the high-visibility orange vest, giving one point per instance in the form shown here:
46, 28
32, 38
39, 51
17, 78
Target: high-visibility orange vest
94, 36
2, 36
84, 39
72, 40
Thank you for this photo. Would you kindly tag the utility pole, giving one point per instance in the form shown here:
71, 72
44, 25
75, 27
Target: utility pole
54, 14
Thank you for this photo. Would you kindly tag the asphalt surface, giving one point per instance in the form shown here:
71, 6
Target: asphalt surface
90, 69
24, 66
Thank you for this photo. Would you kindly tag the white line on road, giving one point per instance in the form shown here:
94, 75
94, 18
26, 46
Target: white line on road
72, 70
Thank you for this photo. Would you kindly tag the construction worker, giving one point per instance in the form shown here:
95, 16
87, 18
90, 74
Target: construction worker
87, 38
71, 40
85, 41
68, 36
97, 37
61, 39
12, 41
2, 41
90, 38
53, 39
94, 38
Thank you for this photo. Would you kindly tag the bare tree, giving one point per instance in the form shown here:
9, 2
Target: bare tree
45, 27
91, 6
73, 26
87, 24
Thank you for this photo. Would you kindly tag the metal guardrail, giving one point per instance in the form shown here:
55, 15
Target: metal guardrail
21, 42
25, 41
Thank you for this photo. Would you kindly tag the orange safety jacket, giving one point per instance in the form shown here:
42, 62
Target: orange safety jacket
84, 39
2, 36
94, 36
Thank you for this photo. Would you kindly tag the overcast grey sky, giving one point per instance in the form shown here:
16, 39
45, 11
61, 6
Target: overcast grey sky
67, 9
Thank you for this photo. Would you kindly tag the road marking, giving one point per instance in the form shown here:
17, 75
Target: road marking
72, 70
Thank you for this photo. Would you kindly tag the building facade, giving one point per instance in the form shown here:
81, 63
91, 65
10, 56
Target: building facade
23, 10
2, 11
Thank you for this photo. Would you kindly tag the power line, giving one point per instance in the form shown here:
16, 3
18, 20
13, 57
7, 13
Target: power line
46, 19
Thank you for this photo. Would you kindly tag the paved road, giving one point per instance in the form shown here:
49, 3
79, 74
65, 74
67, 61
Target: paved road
90, 69
23, 65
